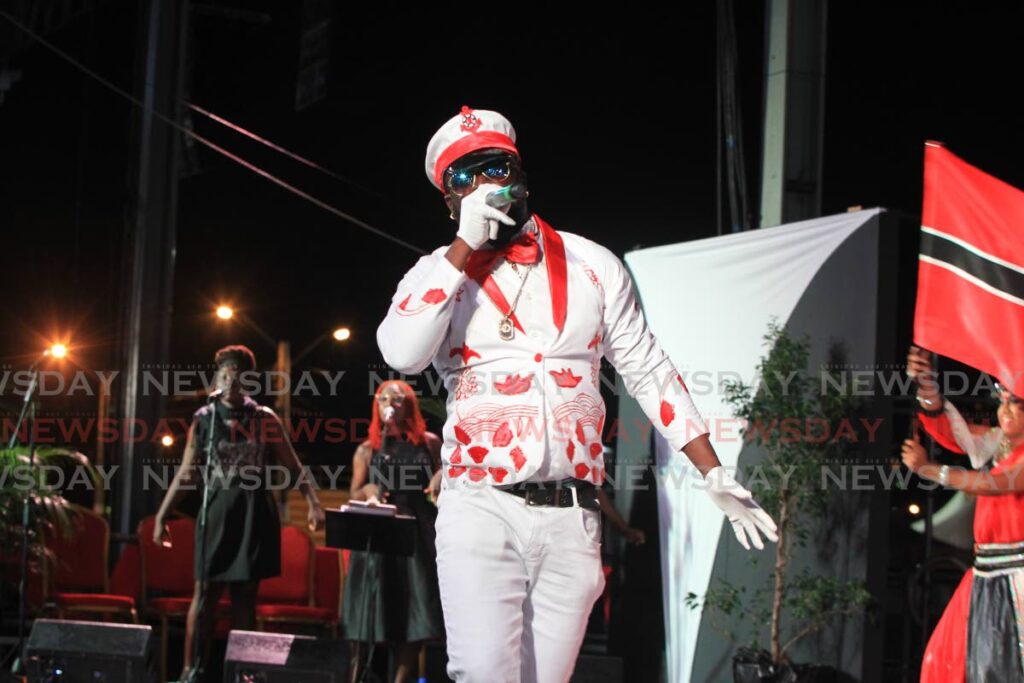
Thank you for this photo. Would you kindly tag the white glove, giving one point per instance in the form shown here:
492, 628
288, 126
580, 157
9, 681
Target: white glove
745, 515
477, 221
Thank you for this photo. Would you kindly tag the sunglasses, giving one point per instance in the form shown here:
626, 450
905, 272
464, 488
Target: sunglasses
396, 399
998, 390
462, 181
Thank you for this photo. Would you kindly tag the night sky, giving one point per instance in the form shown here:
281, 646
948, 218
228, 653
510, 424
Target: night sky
615, 113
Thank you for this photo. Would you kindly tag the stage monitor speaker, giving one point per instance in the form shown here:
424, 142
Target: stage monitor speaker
256, 657
89, 651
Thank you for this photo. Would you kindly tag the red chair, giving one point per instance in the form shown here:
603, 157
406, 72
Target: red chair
303, 566
295, 583
75, 576
126, 578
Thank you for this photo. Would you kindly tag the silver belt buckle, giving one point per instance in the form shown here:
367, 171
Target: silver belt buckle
575, 497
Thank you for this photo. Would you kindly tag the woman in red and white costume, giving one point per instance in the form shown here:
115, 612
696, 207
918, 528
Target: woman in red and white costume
980, 637
516, 317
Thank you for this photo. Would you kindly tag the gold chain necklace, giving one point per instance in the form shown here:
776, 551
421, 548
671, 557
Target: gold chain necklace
506, 330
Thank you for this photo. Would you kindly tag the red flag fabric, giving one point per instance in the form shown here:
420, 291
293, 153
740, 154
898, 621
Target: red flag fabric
970, 286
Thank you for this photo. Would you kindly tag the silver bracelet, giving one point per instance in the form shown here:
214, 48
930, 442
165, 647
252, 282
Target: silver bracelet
944, 475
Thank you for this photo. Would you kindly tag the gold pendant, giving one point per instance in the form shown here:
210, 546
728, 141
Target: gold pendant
505, 329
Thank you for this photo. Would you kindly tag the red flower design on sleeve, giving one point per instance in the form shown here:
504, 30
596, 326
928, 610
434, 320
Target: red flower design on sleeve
434, 296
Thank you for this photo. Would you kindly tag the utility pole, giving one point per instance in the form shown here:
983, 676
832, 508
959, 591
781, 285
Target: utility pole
794, 113
146, 298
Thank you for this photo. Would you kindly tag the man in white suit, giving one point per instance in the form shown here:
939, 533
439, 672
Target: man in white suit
516, 317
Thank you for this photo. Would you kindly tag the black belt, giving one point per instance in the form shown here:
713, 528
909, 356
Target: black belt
559, 494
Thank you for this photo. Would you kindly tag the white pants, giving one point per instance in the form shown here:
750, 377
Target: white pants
517, 585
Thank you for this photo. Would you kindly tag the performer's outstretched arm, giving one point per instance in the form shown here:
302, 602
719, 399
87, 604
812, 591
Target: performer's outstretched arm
652, 379
646, 370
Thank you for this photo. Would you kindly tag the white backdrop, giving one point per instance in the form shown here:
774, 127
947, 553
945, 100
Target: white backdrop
709, 303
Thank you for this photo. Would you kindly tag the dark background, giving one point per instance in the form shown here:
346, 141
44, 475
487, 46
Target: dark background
616, 119
615, 112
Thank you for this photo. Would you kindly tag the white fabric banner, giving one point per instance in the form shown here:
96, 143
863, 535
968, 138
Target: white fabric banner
709, 303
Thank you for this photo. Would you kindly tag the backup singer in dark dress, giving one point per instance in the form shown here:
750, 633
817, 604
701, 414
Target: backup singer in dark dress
243, 528
406, 609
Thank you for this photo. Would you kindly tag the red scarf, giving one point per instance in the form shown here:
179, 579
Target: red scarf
524, 249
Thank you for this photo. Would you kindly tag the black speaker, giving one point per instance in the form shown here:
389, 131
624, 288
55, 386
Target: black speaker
256, 657
89, 651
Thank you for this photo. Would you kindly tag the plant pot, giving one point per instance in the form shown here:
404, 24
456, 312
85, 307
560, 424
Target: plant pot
756, 666
753, 666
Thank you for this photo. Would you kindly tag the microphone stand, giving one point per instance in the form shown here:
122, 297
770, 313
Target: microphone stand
195, 669
371, 583
28, 410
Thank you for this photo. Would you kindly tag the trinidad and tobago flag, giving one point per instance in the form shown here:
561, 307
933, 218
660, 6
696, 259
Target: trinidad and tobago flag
970, 282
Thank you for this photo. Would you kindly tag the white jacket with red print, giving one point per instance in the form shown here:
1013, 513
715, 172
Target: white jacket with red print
526, 409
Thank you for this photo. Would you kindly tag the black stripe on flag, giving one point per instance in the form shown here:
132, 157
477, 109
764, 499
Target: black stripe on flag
993, 274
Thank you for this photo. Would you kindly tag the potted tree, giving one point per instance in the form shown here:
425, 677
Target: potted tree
795, 423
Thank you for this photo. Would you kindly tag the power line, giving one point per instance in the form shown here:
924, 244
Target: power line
278, 148
198, 138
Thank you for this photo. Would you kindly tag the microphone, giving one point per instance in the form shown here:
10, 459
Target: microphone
388, 414
506, 195
214, 396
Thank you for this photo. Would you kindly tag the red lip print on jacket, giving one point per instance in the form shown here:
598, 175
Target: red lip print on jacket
518, 459
503, 436
478, 453
565, 378
514, 384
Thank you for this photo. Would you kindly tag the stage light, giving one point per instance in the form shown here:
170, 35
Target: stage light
342, 333
914, 509
225, 312
58, 351
167, 440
